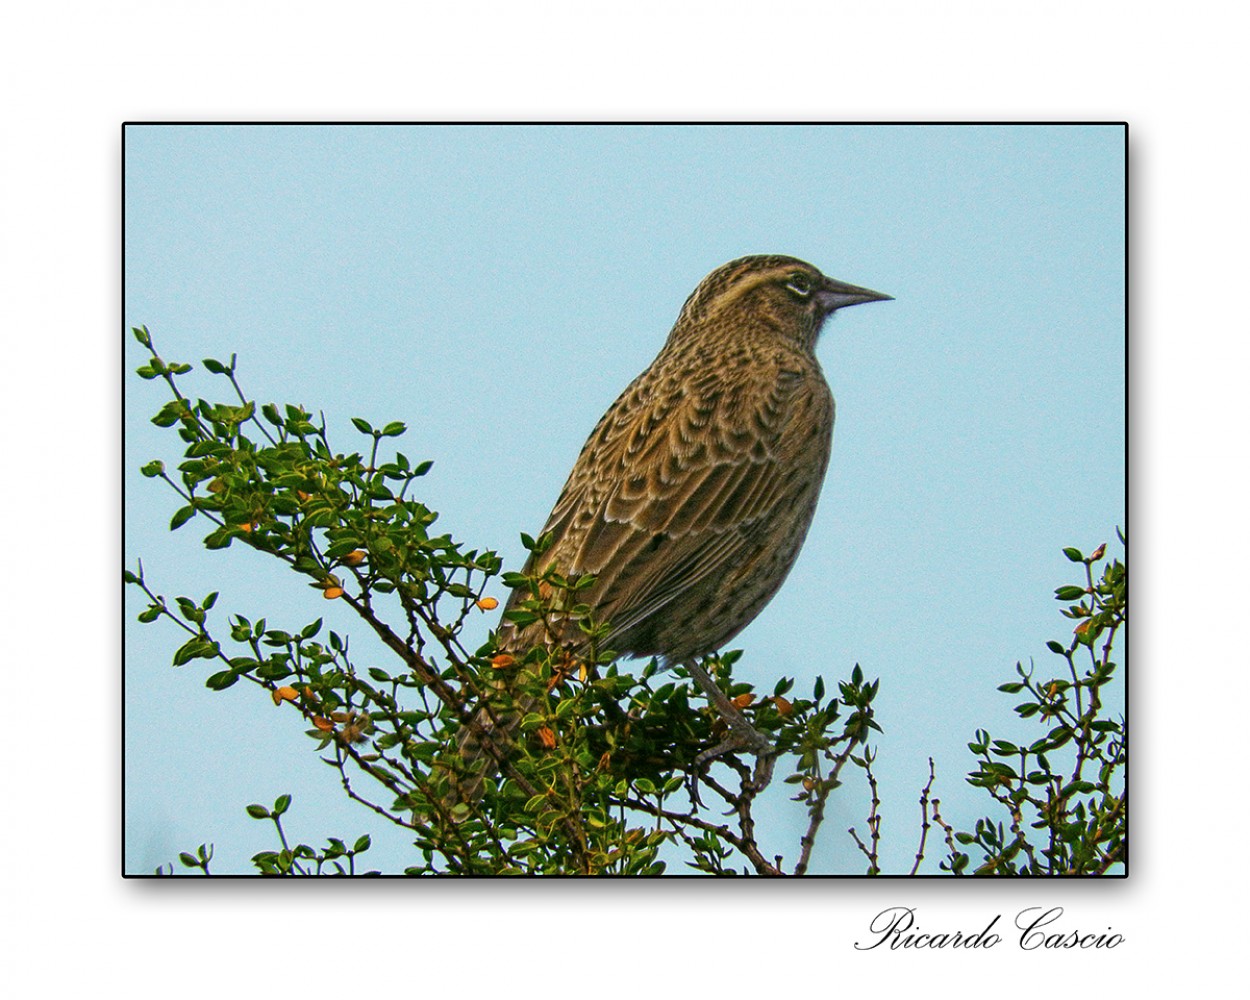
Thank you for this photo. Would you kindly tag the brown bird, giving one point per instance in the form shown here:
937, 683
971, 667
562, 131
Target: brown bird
691, 498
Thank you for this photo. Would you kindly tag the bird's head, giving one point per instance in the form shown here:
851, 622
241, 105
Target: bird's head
781, 293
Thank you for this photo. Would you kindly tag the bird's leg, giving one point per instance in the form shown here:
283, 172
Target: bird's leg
742, 735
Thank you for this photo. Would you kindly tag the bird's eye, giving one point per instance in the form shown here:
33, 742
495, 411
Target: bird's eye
800, 284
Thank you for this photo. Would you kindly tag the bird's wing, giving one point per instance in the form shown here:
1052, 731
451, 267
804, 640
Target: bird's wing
678, 480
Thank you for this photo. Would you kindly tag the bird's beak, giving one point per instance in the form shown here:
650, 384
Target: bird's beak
836, 294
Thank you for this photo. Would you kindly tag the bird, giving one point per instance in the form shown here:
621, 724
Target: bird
692, 496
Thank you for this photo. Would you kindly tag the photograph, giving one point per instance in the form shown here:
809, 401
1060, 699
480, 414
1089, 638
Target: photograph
636, 499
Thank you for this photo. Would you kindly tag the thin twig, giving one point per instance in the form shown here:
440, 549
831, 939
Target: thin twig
924, 819
808, 840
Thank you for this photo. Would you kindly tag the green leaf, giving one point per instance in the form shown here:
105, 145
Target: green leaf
216, 367
362, 425
273, 670
142, 335
280, 804
221, 680
1069, 593
394, 428
219, 539
257, 811
169, 414
194, 648
1074, 554
1059, 738
362, 844
181, 517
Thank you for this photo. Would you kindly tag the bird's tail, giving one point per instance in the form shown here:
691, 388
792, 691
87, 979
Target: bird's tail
485, 744
491, 734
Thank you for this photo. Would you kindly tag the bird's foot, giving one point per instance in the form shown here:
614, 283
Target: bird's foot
753, 741
742, 735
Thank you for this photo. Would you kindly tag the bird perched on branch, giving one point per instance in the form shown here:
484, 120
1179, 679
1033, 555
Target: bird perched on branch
691, 498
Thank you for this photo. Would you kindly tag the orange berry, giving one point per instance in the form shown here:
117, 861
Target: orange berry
502, 661
547, 738
325, 725
743, 700
783, 705
330, 593
488, 604
353, 558
284, 694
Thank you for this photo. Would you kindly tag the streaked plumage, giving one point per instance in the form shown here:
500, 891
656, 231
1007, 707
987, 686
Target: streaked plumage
693, 494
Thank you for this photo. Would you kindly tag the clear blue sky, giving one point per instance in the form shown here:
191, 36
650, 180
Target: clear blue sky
495, 288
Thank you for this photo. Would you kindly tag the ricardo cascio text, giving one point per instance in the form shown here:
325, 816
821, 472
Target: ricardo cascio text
1036, 928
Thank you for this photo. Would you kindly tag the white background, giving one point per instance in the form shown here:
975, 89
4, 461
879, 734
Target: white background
73, 72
